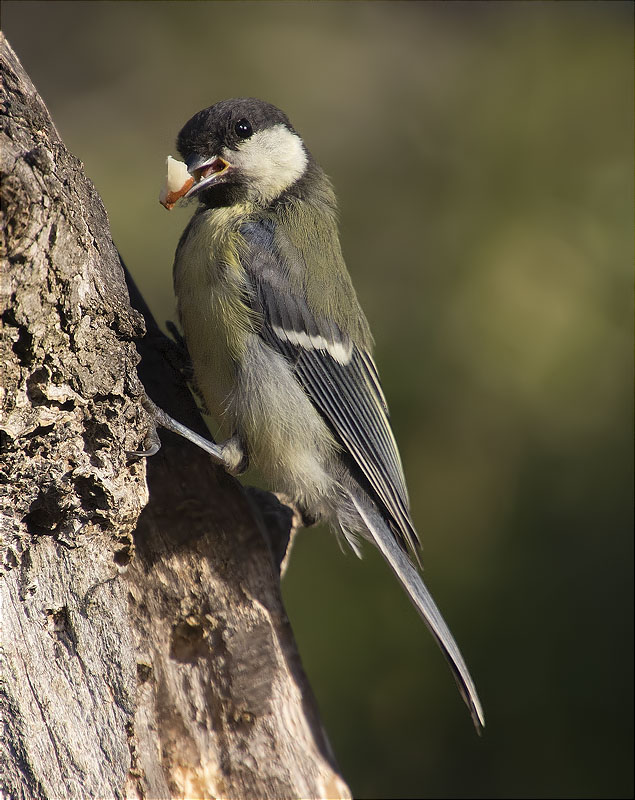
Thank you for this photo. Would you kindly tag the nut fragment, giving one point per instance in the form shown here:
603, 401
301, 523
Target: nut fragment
178, 182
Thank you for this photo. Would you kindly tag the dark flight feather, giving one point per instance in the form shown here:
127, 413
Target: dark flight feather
340, 379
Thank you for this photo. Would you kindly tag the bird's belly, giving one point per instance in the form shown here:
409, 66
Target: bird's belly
209, 351
209, 285
258, 398
285, 436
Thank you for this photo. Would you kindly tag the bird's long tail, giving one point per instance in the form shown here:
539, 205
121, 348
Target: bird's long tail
423, 602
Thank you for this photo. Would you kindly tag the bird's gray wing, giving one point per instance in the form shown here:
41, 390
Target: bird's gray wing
340, 379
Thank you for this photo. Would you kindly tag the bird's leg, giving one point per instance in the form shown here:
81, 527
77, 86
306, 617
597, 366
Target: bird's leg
229, 454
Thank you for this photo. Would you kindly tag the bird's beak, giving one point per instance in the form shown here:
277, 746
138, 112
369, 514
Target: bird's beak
206, 172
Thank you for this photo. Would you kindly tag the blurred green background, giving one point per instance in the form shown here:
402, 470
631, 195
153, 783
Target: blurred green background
483, 158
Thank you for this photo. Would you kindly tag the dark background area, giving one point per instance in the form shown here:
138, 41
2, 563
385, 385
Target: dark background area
483, 159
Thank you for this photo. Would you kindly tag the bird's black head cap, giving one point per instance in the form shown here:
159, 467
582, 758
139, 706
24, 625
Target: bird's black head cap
225, 123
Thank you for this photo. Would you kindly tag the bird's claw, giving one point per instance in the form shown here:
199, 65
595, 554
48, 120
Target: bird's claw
230, 454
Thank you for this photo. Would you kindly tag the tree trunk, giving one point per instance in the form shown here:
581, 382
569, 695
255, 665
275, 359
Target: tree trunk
145, 651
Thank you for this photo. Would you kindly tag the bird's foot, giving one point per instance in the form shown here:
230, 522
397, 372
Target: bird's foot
229, 454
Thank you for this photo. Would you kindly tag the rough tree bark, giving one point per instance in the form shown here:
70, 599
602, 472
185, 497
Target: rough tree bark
145, 651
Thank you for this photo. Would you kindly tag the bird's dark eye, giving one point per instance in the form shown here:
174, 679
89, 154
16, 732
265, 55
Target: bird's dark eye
243, 128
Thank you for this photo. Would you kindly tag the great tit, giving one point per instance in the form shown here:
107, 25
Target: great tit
280, 347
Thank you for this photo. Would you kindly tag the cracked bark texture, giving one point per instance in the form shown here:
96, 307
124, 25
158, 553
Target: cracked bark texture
144, 651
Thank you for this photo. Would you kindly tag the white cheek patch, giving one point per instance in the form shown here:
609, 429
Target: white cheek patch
337, 350
272, 160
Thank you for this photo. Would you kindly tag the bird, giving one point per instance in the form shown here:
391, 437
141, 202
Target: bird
280, 347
